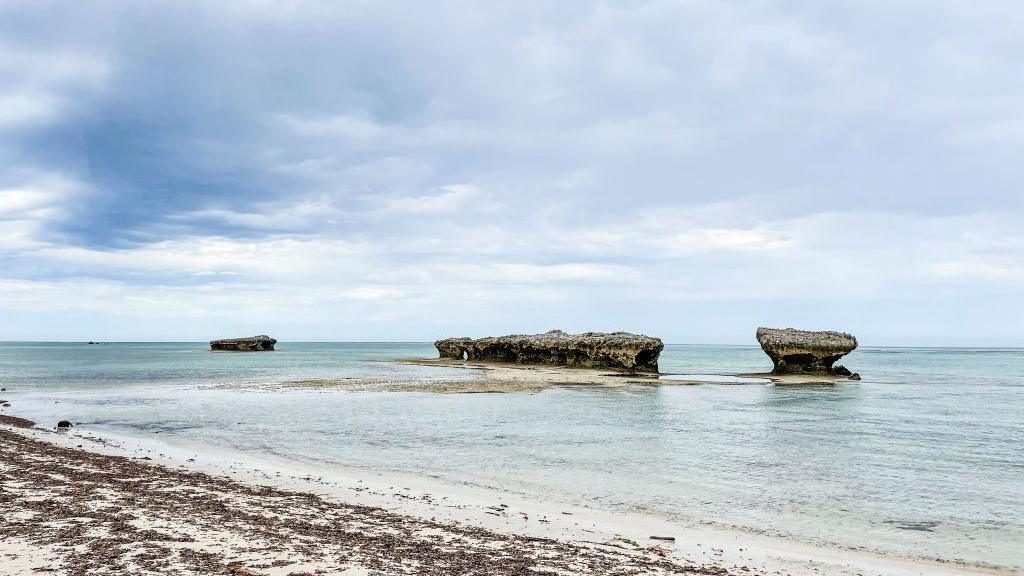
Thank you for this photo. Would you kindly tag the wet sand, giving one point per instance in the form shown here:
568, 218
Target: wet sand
481, 377
497, 377
505, 377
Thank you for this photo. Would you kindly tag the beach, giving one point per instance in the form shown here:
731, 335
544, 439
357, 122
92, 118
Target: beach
73, 511
84, 504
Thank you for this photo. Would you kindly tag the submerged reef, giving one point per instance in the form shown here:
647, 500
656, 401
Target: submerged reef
805, 351
617, 350
249, 344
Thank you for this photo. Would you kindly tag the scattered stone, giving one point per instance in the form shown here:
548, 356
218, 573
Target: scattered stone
618, 350
855, 376
665, 538
63, 425
249, 344
803, 351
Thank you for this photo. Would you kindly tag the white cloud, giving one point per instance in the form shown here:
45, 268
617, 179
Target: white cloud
973, 270
303, 214
447, 199
272, 259
33, 205
38, 86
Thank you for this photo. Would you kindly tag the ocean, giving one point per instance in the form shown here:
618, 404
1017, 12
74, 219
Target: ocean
924, 457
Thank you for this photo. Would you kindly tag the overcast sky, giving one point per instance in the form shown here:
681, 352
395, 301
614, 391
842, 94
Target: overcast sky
396, 171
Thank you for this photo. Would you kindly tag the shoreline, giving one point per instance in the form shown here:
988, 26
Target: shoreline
75, 511
499, 515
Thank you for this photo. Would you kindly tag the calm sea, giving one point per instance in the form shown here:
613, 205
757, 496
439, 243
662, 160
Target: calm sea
924, 456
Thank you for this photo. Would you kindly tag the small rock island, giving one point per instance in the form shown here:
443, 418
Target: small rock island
250, 344
616, 350
806, 352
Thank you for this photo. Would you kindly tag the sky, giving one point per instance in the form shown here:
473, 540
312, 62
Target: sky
359, 170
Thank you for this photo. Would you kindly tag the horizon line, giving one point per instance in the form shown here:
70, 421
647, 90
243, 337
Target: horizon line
707, 344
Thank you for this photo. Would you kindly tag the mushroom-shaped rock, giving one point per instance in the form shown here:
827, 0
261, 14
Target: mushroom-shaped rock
617, 350
249, 344
805, 351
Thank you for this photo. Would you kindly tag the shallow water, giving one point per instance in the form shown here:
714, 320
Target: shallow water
921, 457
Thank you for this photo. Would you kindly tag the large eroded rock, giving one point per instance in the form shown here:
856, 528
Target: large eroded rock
250, 344
619, 350
804, 351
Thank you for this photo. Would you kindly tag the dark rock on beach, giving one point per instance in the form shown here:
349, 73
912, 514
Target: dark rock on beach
250, 344
63, 424
16, 422
616, 350
806, 352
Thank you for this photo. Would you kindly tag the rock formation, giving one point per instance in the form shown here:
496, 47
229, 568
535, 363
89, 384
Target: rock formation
250, 344
804, 351
618, 350
455, 348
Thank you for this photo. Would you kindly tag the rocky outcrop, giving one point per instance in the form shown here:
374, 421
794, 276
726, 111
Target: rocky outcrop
454, 348
618, 350
250, 344
804, 351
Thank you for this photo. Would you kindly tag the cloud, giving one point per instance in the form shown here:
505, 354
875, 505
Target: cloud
970, 270
449, 198
682, 168
39, 86
304, 214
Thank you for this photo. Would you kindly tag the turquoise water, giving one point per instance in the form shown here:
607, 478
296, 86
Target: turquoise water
922, 457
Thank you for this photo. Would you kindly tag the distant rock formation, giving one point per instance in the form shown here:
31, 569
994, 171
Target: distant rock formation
250, 344
618, 350
804, 351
